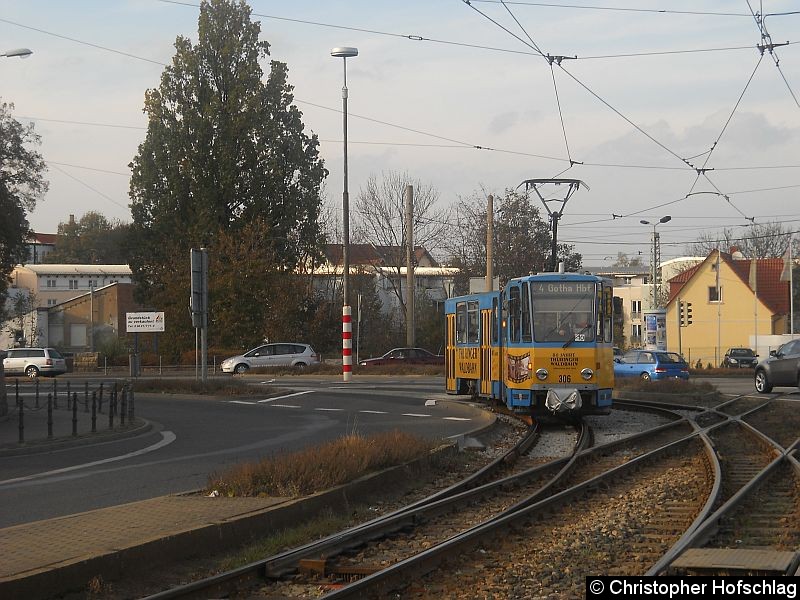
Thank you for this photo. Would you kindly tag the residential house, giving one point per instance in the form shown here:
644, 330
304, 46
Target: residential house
40, 245
733, 301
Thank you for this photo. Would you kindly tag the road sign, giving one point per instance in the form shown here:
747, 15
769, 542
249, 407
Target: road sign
144, 321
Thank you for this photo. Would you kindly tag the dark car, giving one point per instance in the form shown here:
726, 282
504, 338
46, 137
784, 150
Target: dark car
649, 365
740, 358
781, 368
404, 356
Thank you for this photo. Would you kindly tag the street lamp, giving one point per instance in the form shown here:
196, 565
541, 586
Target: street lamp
655, 257
344, 53
21, 52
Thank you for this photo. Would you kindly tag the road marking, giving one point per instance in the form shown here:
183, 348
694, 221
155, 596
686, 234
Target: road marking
167, 437
430, 402
286, 396
414, 415
286, 405
242, 402
330, 409
456, 419
374, 412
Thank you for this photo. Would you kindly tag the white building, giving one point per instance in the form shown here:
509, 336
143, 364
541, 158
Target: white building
57, 283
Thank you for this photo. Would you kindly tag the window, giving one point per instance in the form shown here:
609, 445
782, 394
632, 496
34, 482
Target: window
636, 307
92, 283
712, 294
473, 322
627, 280
461, 323
51, 283
636, 332
52, 302
73, 284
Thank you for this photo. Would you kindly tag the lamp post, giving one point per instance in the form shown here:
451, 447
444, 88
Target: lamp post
655, 257
344, 53
20, 52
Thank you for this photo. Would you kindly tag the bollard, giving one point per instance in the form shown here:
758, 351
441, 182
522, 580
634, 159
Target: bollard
69, 396
105, 367
111, 400
75, 414
55, 393
100, 399
86, 397
16, 393
94, 411
36, 386
21, 424
49, 416
123, 407
130, 406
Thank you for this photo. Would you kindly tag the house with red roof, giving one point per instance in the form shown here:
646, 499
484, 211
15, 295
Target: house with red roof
732, 300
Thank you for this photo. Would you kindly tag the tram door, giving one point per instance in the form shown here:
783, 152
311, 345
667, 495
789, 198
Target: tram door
487, 372
450, 354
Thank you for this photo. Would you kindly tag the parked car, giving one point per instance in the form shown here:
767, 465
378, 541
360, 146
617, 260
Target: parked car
740, 358
404, 356
780, 368
34, 362
272, 355
649, 365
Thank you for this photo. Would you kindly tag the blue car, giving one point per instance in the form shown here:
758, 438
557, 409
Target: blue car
649, 365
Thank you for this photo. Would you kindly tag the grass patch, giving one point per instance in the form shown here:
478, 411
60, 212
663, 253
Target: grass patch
212, 387
320, 468
664, 386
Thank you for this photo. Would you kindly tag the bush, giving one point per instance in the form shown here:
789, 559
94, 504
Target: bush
320, 468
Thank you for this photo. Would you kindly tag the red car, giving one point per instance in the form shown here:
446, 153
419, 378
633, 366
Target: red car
404, 356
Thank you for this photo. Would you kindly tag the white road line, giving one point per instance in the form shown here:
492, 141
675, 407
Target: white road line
414, 415
330, 409
286, 396
430, 402
286, 405
374, 412
455, 419
167, 437
242, 402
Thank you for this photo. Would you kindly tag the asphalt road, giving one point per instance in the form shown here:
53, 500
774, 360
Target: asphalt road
195, 437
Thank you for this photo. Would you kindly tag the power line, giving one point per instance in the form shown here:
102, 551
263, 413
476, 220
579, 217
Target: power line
86, 185
616, 8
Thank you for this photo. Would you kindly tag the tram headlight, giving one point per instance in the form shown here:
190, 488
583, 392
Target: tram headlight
541, 374
587, 374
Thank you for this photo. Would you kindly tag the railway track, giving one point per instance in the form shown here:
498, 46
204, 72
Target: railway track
365, 549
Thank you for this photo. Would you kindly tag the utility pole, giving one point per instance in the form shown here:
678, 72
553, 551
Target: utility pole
490, 243
409, 214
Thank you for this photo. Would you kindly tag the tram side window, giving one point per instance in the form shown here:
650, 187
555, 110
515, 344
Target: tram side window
514, 314
494, 321
461, 323
608, 313
527, 330
473, 322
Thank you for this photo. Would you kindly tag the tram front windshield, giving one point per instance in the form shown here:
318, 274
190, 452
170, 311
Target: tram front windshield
563, 311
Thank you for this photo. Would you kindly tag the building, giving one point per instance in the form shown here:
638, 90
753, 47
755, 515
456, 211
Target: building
52, 284
40, 245
733, 301
386, 264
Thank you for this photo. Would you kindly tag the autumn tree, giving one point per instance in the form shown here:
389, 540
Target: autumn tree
225, 147
91, 239
21, 185
522, 241
760, 240
379, 218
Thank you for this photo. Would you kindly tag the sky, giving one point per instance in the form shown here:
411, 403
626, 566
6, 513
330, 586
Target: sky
661, 108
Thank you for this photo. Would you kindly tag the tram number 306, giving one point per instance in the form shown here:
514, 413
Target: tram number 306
565, 379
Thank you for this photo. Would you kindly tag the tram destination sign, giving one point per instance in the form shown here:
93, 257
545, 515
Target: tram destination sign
563, 288
144, 321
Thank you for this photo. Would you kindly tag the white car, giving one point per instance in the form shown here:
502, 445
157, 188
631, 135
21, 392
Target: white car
272, 355
34, 362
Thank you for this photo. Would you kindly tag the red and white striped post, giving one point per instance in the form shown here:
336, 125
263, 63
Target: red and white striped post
347, 343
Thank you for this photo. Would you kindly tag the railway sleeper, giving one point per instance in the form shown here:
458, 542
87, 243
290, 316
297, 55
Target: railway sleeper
738, 561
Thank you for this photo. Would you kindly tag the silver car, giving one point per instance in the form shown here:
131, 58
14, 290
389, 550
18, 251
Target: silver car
781, 368
272, 355
34, 362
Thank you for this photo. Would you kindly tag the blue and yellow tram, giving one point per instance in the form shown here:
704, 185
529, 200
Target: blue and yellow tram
542, 345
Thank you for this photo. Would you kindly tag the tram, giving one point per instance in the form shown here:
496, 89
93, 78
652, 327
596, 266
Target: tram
542, 345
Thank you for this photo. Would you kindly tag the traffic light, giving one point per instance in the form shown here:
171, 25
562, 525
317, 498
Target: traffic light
687, 312
681, 313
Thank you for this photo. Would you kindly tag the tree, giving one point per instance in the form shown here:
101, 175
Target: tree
92, 239
21, 185
623, 260
380, 220
521, 239
224, 149
761, 240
